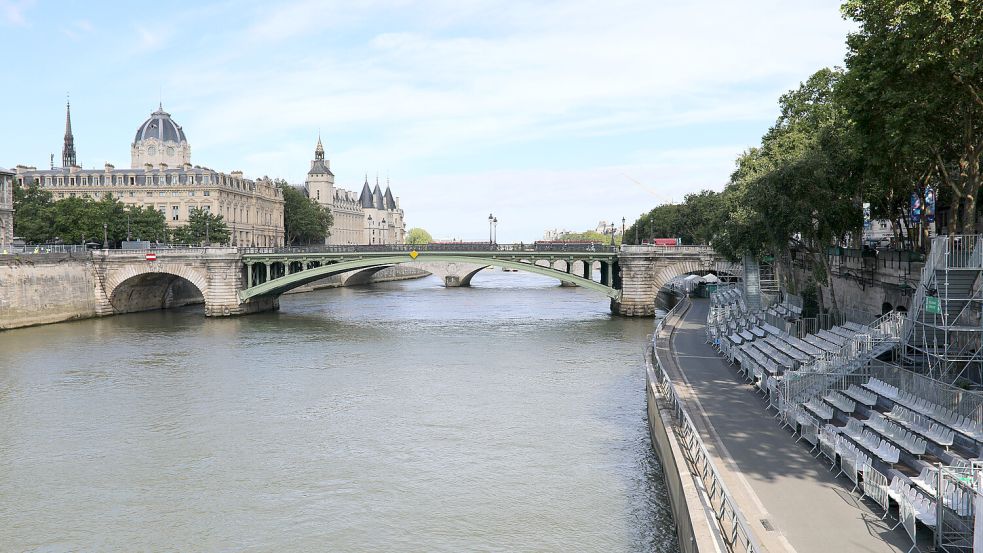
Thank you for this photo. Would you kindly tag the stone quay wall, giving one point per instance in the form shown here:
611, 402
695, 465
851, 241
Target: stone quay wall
871, 284
42, 289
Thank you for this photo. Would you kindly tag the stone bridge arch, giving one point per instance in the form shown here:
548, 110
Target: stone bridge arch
141, 287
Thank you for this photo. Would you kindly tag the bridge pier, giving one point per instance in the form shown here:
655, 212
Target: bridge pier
453, 275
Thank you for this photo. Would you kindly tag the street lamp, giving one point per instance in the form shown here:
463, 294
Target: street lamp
622, 230
105, 236
491, 218
207, 241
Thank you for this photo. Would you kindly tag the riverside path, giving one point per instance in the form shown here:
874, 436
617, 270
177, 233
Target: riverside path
790, 499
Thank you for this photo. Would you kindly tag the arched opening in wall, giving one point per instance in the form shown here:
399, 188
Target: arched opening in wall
150, 291
886, 308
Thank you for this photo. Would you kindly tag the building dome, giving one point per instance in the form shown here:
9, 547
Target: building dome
162, 127
160, 141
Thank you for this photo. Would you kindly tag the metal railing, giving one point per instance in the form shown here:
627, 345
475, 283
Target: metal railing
571, 247
701, 249
732, 527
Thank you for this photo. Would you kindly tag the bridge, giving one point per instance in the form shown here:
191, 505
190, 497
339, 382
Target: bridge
238, 281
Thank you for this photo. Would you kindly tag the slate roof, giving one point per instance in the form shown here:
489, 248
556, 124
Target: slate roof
160, 126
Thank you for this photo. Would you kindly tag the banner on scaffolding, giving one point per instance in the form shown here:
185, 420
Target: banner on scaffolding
867, 223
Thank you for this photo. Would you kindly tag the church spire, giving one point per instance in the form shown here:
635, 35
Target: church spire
319, 151
68, 150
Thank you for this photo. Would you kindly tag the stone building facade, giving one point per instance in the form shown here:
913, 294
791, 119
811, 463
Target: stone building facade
6, 207
371, 217
161, 176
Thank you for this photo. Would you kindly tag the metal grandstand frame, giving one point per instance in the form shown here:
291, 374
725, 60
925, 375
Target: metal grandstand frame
944, 338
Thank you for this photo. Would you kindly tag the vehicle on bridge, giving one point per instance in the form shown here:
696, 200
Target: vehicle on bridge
662, 242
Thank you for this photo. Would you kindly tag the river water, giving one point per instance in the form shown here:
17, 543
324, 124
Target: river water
509, 416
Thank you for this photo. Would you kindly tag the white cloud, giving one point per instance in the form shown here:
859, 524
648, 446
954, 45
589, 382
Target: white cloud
12, 11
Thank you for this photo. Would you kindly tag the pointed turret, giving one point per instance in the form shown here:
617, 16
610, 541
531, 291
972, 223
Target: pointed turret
365, 198
68, 150
320, 166
377, 200
388, 196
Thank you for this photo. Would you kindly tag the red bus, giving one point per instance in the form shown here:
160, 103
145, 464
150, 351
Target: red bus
663, 242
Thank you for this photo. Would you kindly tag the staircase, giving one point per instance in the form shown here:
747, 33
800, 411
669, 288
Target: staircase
752, 283
944, 343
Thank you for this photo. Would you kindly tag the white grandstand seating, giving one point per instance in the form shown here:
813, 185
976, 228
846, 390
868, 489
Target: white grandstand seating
861, 396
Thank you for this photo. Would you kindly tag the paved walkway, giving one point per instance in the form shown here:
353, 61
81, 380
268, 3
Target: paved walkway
790, 498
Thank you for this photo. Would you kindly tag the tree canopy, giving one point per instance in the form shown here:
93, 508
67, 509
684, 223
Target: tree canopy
39, 219
305, 221
202, 228
418, 236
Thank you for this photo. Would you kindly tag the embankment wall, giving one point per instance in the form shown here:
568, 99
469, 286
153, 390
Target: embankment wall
46, 289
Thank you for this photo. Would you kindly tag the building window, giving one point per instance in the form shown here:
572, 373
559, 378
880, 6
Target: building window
161, 193
62, 194
207, 208
206, 179
206, 193
85, 181
133, 180
174, 212
132, 193
47, 181
61, 181
191, 192
151, 151
175, 193
71, 194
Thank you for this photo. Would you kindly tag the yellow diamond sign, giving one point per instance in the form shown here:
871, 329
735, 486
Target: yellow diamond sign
414, 253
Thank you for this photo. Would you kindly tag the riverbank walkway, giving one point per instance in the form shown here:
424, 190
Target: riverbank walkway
790, 499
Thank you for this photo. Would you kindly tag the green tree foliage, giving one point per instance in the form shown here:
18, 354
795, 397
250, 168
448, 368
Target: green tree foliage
203, 228
418, 236
305, 221
694, 221
916, 91
588, 236
38, 219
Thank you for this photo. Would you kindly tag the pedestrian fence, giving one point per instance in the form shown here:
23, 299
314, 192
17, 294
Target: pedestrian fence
731, 525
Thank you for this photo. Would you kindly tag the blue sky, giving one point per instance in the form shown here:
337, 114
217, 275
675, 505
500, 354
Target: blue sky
543, 113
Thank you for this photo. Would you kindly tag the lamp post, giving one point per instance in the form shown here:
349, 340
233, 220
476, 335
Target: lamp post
105, 236
622, 230
491, 218
128, 225
207, 241
495, 230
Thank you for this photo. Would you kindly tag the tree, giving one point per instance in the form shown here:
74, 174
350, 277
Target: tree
33, 213
418, 236
203, 228
305, 221
75, 220
917, 93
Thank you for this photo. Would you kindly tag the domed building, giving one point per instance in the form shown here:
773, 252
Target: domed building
159, 140
161, 177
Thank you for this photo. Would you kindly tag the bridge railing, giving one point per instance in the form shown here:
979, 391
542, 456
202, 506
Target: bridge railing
695, 249
443, 247
731, 527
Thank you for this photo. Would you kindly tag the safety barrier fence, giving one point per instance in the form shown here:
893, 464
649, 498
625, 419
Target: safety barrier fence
731, 524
